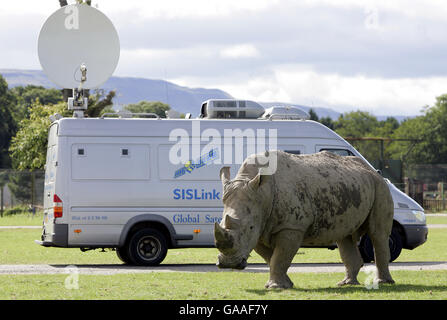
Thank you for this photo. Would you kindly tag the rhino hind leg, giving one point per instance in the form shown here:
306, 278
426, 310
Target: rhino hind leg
380, 224
352, 260
286, 245
382, 258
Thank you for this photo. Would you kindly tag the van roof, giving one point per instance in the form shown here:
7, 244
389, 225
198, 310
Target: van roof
139, 127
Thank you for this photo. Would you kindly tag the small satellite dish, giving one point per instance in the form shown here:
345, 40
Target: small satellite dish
78, 44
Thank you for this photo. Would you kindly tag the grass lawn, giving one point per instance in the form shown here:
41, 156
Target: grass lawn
228, 285
17, 247
436, 220
24, 219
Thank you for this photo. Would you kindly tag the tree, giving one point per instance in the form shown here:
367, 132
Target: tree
328, 122
3, 180
64, 3
431, 129
8, 125
156, 107
356, 124
97, 106
359, 124
313, 115
26, 96
29, 145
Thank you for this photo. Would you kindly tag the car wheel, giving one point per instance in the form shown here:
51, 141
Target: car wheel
123, 254
395, 243
147, 247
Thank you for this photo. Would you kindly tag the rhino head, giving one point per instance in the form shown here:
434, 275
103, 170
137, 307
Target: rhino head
246, 204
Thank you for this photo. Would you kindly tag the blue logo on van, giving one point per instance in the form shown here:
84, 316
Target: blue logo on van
195, 194
187, 218
202, 161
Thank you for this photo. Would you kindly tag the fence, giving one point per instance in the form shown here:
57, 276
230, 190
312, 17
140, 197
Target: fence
427, 184
21, 188
435, 205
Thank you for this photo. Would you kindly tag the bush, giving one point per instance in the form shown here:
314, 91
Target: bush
16, 210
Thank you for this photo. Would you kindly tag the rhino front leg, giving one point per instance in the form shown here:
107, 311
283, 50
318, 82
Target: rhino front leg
265, 252
352, 260
286, 245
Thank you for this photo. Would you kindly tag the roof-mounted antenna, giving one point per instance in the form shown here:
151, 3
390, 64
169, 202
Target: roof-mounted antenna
73, 40
79, 102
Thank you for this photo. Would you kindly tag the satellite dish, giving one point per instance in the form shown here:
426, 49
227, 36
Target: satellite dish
78, 42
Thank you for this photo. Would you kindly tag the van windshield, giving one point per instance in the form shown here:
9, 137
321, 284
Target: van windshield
340, 152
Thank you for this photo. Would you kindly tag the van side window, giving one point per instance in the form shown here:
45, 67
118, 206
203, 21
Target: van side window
293, 151
340, 152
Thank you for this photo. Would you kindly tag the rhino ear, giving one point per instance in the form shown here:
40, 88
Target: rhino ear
223, 239
231, 223
257, 181
225, 175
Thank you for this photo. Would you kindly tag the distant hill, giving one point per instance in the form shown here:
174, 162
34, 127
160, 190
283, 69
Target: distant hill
133, 90
182, 99
25, 77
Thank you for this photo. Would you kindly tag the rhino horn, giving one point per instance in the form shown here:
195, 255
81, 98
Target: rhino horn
222, 237
231, 223
225, 175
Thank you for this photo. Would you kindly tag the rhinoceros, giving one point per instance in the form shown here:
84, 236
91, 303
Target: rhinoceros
311, 200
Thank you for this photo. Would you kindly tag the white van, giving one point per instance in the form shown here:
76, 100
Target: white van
111, 182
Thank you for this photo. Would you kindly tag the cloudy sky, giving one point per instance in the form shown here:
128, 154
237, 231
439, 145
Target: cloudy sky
386, 57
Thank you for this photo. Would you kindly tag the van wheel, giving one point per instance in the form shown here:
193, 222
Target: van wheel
147, 247
395, 243
123, 254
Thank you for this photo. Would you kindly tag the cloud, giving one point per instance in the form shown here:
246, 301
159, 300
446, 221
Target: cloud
300, 84
380, 96
240, 51
174, 9
382, 56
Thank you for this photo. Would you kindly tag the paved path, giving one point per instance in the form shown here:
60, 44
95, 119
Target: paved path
258, 268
